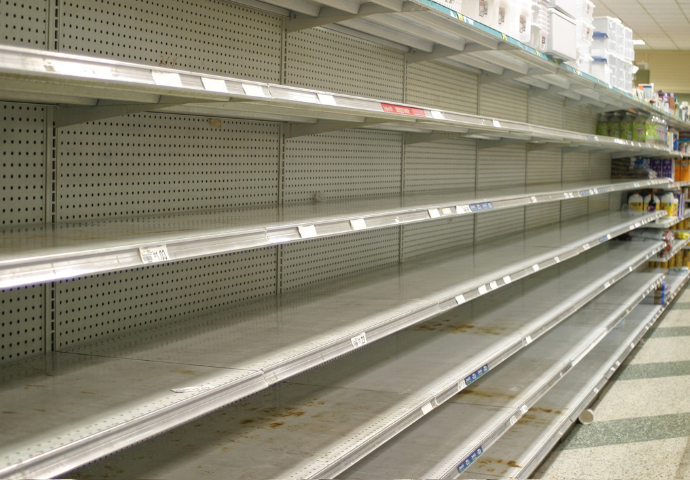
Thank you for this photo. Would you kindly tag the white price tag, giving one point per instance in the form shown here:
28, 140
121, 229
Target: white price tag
493, 285
507, 279
534, 199
461, 385
528, 339
460, 299
497, 124
460, 209
307, 231
253, 90
632, 227
359, 340
535, 267
595, 390
632, 345
591, 192
636, 185
482, 290
154, 254
433, 213
513, 420
166, 79
214, 85
607, 285
566, 195
447, 211
585, 246
438, 115
427, 408
523, 409
556, 259
326, 99
358, 224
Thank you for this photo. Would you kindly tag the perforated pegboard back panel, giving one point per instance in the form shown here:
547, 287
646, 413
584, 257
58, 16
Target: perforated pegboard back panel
203, 35
22, 148
540, 215
442, 165
436, 85
502, 100
21, 322
546, 110
426, 238
573, 208
575, 166
332, 61
319, 260
579, 118
349, 163
99, 306
498, 224
502, 167
24, 23
544, 166
155, 163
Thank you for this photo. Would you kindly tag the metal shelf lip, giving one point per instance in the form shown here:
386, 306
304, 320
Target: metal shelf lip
410, 374
27, 74
366, 308
531, 440
31, 255
677, 246
503, 396
667, 222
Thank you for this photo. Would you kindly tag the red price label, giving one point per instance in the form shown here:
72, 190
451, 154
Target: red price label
399, 109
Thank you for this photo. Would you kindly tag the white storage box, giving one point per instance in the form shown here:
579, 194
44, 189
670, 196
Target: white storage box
584, 11
569, 7
602, 45
479, 10
585, 32
562, 32
601, 70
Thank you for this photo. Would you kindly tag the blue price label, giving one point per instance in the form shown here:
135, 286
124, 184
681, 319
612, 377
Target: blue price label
470, 459
476, 375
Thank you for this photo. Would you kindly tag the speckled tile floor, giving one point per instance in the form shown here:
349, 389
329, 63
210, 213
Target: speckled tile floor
641, 425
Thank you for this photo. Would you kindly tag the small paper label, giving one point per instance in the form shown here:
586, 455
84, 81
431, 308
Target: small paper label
632, 345
595, 390
493, 285
214, 85
482, 290
446, 211
523, 409
433, 213
585, 246
460, 299
438, 115
358, 224
528, 339
557, 259
566, 195
461, 385
359, 340
497, 124
460, 209
427, 408
154, 254
636, 184
307, 231
402, 110
607, 285
513, 420
534, 199
166, 79
253, 90
326, 99
535, 267
507, 279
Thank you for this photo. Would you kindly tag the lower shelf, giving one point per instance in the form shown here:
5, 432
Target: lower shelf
319, 423
522, 449
454, 438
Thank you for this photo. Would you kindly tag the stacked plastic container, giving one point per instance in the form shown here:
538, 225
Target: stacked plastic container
584, 16
613, 52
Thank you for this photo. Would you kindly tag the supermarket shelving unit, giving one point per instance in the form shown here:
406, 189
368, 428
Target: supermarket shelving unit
204, 200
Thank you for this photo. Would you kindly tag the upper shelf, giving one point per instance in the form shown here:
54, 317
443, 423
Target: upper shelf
89, 88
35, 254
431, 31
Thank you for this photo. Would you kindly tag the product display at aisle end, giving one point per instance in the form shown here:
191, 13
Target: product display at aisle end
284, 239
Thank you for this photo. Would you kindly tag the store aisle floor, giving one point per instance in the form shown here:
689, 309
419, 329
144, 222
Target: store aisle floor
641, 425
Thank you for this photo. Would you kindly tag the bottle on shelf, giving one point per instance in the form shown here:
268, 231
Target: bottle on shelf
636, 202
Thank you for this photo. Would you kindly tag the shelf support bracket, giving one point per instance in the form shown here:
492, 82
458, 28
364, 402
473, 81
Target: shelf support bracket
414, 138
442, 51
487, 78
66, 116
295, 130
329, 15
